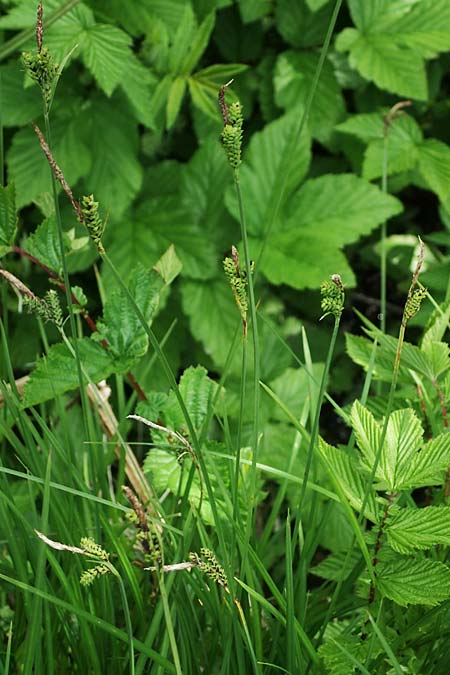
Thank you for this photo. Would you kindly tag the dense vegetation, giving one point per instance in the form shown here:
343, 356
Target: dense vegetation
225, 299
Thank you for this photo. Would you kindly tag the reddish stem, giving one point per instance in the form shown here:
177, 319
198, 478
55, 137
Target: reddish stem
84, 313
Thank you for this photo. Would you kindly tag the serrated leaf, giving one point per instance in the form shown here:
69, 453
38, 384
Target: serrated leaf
120, 326
326, 214
403, 151
213, 316
428, 466
396, 69
403, 440
57, 372
116, 175
434, 165
105, 49
393, 40
8, 218
367, 432
43, 244
293, 79
346, 470
410, 528
261, 168
414, 581
197, 391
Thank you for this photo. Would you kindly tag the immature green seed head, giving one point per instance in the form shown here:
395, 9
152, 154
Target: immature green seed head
231, 135
414, 303
95, 225
88, 577
332, 292
238, 282
47, 308
94, 549
42, 69
207, 563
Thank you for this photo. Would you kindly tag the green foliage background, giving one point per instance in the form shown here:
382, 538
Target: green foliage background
136, 122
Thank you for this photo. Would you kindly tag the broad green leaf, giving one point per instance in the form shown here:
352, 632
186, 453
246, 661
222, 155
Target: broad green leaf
396, 69
252, 10
300, 25
337, 566
378, 13
439, 355
293, 79
410, 528
175, 99
367, 126
183, 38
434, 165
428, 466
367, 432
8, 218
205, 83
403, 440
345, 469
394, 38
213, 316
28, 166
116, 175
138, 84
360, 348
57, 372
136, 16
326, 214
43, 244
105, 50
120, 326
403, 151
19, 105
197, 391
414, 581
262, 164
203, 182
437, 324
198, 45
166, 221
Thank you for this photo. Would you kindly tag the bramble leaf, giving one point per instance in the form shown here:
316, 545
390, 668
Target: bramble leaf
410, 528
56, 372
414, 581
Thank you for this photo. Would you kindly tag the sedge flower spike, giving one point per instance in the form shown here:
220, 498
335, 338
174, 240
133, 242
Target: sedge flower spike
231, 135
332, 292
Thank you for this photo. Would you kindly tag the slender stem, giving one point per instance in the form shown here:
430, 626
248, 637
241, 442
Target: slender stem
67, 279
383, 252
237, 469
126, 611
21, 38
315, 427
256, 355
